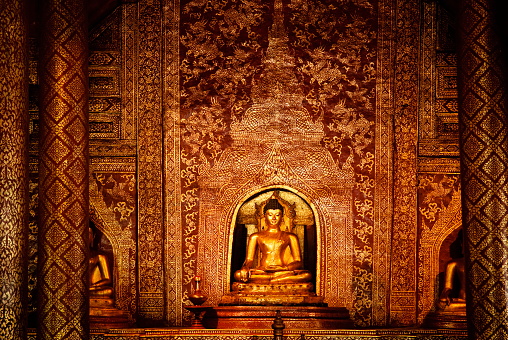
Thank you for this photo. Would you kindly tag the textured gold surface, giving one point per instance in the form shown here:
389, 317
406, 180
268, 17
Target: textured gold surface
14, 170
173, 226
63, 174
484, 134
404, 236
383, 193
150, 161
325, 106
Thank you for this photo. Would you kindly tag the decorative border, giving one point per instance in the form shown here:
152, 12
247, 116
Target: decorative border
104, 81
439, 165
104, 126
383, 204
404, 239
130, 64
150, 160
173, 248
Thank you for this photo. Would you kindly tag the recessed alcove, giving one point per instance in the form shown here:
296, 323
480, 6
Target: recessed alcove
451, 249
303, 220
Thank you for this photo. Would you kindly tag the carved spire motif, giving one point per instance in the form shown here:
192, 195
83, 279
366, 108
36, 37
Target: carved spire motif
278, 81
277, 116
278, 30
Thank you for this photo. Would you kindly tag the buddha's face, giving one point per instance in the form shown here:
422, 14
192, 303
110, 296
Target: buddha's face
273, 217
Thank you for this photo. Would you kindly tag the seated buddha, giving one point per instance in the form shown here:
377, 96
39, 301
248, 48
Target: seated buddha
273, 273
450, 309
279, 252
453, 295
103, 313
101, 291
454, 273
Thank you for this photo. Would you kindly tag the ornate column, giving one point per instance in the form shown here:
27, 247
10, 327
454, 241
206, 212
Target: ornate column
150, 164
484, 165
63, 172
13, 169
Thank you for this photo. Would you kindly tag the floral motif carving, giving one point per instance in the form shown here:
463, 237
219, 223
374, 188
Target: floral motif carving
221, 50
118, 192
336, 47
435, 192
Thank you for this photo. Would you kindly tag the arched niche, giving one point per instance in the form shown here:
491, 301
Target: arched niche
451, 249
304, 225
121, 237
219, 207
432, 254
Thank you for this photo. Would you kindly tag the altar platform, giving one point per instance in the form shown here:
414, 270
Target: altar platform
267, 334
289, 334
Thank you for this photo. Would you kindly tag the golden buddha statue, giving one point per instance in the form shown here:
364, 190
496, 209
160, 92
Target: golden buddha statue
273, 273
453, 295
103, 313
454, 273
101, 292
279, 252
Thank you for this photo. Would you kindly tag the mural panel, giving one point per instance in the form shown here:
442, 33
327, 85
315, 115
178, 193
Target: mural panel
320, 58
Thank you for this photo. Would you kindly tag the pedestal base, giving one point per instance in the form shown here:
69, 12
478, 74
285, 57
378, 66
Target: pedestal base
103, 315
197, 315
285, 294
271, 300
261, 317
452, 317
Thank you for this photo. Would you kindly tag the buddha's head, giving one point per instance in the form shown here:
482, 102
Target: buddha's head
273, 211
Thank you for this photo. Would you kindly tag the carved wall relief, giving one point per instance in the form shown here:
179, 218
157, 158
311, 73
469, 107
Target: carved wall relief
438, 111
293, 106
104, 79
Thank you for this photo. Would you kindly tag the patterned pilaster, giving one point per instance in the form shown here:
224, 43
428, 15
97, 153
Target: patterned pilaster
484, 155
13, 170
63, 173
403, 283
150, 160
173, 267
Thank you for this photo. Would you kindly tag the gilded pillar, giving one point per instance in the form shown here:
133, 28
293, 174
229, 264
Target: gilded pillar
63, 172
13, 170
484, 164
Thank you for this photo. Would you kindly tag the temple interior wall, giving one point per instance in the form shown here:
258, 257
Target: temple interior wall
189, 117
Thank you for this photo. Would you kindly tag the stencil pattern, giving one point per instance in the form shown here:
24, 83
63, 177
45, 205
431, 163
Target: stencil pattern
13, 170
484, 133
63, 173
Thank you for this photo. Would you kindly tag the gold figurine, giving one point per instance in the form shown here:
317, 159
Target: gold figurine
279, 252
450, 311
273, 273
100, 277
103, 313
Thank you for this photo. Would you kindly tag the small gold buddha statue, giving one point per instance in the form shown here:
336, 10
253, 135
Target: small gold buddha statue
103, 313
101, 292
279, 252
453, 295
454, 273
